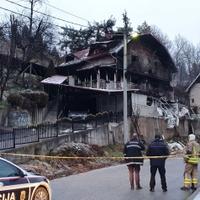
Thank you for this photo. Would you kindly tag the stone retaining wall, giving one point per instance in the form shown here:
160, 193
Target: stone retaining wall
111, 133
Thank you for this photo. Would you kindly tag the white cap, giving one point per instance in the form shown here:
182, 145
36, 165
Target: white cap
191, 137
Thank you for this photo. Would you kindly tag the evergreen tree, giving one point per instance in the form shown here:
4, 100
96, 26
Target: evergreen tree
144, 28
74, 40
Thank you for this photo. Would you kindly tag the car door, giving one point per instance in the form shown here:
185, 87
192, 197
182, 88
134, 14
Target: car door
13, 183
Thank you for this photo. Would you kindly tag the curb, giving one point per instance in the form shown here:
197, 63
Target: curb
195, 195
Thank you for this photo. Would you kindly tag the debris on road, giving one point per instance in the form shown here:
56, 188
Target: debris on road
176, 147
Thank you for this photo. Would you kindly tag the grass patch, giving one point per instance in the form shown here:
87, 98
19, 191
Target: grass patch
3, 104
113, 150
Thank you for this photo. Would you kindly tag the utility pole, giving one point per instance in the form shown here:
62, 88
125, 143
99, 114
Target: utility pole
31, 18
125, 117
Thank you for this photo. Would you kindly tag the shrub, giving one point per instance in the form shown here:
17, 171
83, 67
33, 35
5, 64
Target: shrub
40, 98
3, 104
90, 117
28, 105
99, 116
28, 99
16, 100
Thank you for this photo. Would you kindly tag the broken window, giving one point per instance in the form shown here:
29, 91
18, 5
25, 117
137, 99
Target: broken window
156, 63
134, 58
150, 71
96, 51
149, 101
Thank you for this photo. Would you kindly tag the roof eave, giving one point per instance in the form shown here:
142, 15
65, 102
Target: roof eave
192, 83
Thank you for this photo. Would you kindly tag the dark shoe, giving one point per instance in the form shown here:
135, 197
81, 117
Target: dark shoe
139, 188
152, 190
193, 188
132, 187
185, 188
164, 190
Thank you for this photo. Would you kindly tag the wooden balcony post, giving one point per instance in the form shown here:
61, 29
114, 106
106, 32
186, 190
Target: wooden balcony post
90, 80
115, 81
98, 79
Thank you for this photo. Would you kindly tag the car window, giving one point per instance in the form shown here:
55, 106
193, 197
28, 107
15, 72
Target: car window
8, 170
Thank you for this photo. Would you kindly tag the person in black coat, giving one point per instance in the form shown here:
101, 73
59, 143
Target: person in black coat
134, 148
158, 148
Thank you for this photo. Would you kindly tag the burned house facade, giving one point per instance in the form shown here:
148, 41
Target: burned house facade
91, 80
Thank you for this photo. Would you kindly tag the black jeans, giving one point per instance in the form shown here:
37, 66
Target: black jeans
162, 171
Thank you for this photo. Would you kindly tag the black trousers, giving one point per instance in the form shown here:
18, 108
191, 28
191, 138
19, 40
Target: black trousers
162, 171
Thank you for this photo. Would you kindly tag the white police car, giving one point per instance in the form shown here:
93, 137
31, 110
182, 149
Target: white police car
18, 184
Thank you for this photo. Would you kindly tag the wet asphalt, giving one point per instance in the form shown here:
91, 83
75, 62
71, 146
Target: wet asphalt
111, 183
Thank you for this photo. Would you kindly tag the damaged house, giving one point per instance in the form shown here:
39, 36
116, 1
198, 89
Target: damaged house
193, 92
91, 80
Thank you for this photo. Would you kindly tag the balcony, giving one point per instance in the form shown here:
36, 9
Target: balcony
111, 85
105, 85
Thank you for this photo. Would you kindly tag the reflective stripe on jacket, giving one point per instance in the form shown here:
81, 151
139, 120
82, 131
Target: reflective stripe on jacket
193, 150
134, 148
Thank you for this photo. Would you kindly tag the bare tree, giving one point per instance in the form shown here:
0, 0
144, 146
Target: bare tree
36, 37
179, 45
187, 60
32, 37
2, 32
144, 28
162, 37
7, 62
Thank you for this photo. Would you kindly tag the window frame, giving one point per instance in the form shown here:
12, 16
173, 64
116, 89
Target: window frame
16, 172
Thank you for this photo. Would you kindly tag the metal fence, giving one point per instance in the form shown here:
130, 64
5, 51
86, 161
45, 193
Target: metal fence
47, 131
7, 139
25, 135
19, 136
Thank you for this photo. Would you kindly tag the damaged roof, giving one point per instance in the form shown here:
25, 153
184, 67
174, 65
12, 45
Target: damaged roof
152, 43
86, 54
82, 54
159, 49
115, 46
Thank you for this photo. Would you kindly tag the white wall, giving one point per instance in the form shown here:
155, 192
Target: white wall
139, 104
195, 95
71, 80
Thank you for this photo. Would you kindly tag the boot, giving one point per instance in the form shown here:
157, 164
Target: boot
185, 188
139, 187
132, 186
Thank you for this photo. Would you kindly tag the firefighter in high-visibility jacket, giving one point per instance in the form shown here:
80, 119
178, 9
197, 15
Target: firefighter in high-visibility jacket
191, 163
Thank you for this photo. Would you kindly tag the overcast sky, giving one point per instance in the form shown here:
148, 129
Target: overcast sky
171, 16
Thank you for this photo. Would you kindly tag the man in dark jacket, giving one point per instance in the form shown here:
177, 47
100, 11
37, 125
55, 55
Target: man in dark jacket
134, 148
158, 148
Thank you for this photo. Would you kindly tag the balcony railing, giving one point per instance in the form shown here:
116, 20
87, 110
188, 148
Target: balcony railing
106, 85
112, 85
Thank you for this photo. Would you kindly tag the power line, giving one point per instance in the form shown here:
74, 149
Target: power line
17, 13
69, 13
57, 18
13, 12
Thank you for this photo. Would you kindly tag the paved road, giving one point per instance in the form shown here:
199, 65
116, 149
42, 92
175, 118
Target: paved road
112, 184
